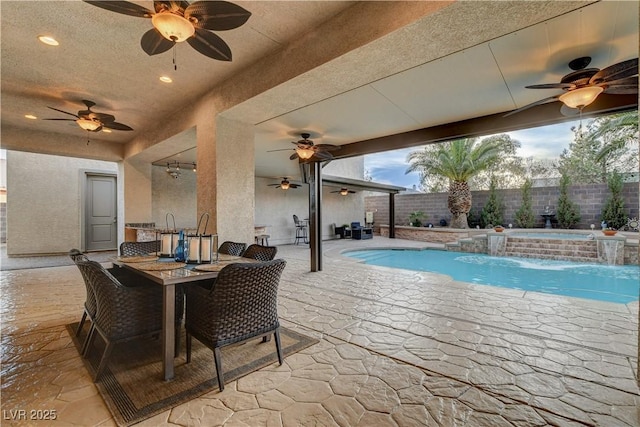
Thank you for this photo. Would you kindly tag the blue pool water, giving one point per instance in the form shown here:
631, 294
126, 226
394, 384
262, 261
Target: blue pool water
619, 284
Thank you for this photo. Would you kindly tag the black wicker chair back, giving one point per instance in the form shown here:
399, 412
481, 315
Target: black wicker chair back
123, 313
242, 305
139, 248
232, 248
261, 253
90, 306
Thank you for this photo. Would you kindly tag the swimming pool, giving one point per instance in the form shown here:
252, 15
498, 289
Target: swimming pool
619, 284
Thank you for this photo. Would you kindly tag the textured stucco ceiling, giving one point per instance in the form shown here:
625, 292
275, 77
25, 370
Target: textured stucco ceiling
451, 61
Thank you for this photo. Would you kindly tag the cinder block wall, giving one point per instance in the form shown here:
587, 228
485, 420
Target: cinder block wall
590, 198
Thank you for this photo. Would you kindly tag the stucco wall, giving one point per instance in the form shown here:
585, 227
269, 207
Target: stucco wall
174, 195
45, 202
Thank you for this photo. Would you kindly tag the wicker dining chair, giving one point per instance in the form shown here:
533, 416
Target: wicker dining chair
139, 248
242, 305
90, 307
232, 248
261, 253
123, 313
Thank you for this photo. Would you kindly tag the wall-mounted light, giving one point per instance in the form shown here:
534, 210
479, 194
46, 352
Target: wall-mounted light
30, 117
166, 79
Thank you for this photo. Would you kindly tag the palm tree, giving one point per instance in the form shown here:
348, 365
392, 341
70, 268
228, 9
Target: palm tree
621, 129
457, 161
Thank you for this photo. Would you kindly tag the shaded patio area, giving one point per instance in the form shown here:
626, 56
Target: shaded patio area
396, 348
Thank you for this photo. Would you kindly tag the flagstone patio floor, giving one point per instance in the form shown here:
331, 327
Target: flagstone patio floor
397, 348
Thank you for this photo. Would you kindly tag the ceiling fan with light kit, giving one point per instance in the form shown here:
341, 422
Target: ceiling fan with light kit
177, 21
583, 85
284, 184
344, 191
93, 121
306, 151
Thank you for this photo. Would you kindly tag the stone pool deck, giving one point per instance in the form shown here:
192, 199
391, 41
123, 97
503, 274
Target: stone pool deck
396, 348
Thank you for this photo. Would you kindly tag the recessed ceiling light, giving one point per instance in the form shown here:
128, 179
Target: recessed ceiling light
48, 40
165, 79
30, 116
106, 130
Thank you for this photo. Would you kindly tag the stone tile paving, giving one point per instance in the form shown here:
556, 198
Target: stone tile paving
396, 348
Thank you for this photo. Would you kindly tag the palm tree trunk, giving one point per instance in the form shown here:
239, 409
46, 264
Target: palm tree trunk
459, 203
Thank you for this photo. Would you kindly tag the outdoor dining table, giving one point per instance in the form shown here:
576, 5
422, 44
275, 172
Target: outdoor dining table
151, 268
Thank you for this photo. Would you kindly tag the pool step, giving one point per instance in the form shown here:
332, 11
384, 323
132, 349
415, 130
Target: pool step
570, 250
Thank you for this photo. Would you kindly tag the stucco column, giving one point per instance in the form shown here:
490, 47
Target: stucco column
226, 178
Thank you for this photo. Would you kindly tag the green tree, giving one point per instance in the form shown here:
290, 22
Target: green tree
492, 211
524, 214
613, 211
456, 161
603, 146
568, 213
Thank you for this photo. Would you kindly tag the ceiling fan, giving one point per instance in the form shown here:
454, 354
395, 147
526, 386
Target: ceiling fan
177, 21
284, 184
344, 191
583, 85
306, 151
92, 121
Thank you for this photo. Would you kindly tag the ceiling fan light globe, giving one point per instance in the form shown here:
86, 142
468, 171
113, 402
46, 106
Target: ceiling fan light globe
304, 153
173, 27
89, 125
344, 192
580, 98
284, 185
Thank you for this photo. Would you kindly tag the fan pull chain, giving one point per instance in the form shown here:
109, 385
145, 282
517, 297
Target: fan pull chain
175, 65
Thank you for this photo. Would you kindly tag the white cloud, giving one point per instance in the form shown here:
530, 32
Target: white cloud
545, 142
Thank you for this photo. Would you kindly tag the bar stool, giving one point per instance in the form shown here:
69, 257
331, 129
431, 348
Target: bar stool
262, 239
301, 230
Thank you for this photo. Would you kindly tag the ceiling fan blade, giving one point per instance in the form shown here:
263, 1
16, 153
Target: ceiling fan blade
210, 45
282, 149
552, 86
625, 86
617, 71
328, 147
123, 7
153, 43
216, 15
533, 104
71, 114
98, 129
116, 126
65, 120
103, 117
568, 111
321, 156
621, 89
293, 156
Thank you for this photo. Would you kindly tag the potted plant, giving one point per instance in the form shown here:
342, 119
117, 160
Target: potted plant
609, 231
415, 218
499, 228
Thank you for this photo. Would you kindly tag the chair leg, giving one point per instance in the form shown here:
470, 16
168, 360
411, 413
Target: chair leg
188, 341
278, 345
103, 361
177, 341
89, 340
84, 317
217, 357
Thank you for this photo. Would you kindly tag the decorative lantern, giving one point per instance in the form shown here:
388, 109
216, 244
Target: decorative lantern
202, 247
168, 238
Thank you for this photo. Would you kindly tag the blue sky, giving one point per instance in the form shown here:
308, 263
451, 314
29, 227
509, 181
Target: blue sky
545, 142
